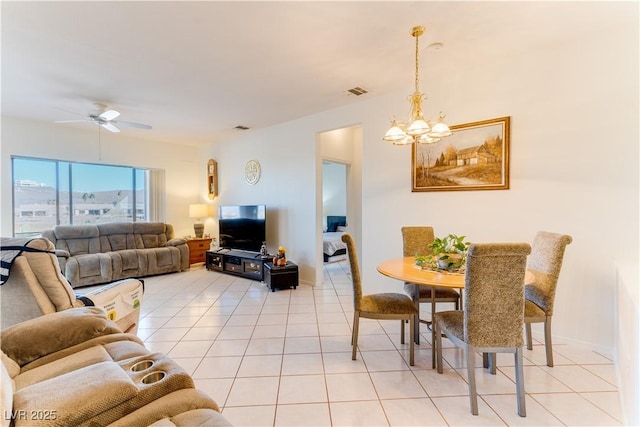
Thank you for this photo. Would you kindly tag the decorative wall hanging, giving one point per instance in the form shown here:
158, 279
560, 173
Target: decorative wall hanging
212, 179
252, 171
475, 157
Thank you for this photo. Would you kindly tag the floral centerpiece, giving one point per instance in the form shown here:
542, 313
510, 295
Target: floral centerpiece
448, 253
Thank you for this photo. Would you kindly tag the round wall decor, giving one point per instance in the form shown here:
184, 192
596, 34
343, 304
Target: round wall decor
252, 171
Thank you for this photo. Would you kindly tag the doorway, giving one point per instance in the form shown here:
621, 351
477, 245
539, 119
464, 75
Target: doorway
334, 210
339, 154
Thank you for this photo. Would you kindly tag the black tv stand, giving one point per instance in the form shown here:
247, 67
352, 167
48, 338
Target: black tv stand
240, 263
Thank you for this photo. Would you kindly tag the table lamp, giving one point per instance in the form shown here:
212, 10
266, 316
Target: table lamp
199, 211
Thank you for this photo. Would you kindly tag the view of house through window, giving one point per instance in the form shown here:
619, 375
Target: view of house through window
51, 192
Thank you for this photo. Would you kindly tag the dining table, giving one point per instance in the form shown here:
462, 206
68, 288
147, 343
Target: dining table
406, 270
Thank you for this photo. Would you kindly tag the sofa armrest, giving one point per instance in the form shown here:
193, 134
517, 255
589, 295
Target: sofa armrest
35, 338
63, 256
176, 241
61, 253
180, 408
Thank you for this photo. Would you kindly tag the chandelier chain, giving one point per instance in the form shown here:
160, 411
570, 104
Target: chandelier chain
417, 81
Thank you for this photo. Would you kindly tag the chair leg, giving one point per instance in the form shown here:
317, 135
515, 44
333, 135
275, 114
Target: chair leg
489, 362
527, 329
547, 341
520, 394
437, 345
412, 332
402, 332
416, 321
471, 378
433, 329
354, 336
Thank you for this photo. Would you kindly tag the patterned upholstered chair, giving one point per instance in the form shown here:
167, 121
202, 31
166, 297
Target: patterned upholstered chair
416, 241
547, 253
378, 306
489, 324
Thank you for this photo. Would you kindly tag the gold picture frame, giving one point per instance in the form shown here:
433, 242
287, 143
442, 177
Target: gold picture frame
212, 179
475, 157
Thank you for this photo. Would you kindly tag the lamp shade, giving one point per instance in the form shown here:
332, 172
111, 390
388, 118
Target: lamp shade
395, 133
199, 210
418, 127
440, 130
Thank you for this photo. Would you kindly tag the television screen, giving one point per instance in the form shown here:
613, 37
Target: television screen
242, 227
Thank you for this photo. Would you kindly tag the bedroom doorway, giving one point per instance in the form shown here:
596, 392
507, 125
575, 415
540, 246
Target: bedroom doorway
334, 210
339, 151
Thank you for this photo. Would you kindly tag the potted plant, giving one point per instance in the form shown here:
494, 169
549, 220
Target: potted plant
450, 251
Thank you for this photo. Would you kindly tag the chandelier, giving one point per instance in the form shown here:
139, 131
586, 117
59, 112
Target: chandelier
417, 129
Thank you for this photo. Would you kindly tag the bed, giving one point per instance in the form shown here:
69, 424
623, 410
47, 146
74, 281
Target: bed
334, 249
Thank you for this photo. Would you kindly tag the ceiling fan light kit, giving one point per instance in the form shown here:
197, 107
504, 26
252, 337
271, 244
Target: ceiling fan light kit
104, 117
418, 129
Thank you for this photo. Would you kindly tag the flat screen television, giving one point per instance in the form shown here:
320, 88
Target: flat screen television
242, 227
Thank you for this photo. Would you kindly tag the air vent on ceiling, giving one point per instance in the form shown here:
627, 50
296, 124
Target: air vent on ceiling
241, 127
357, 91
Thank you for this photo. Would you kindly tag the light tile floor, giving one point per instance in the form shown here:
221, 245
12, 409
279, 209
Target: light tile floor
284, 359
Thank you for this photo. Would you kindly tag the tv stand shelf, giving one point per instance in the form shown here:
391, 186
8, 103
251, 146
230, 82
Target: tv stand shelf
240, 263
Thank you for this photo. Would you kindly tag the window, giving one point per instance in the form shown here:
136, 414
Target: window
51, 192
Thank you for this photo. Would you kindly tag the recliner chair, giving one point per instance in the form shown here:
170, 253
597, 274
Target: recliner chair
35, 287
77, 368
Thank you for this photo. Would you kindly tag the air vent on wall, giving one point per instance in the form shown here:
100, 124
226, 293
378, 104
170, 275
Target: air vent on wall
357, 91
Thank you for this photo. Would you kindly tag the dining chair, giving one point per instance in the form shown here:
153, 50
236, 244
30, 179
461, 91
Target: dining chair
416, 240
545, 261
488, 323
378, 306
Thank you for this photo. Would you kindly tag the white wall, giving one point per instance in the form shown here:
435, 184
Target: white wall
287, 187
574, 169
627, 336
54, 141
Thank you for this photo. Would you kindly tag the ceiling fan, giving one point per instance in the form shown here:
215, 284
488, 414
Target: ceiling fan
105, 117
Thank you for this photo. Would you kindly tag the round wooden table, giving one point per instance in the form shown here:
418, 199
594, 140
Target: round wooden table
406, 270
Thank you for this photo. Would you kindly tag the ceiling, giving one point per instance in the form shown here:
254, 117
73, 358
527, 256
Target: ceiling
196, 70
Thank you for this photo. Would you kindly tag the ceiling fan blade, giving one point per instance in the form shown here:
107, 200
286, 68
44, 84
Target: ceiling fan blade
132, 125
109, 115
73, 121
110, 127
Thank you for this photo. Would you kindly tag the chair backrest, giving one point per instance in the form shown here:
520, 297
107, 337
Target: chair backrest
416, 240
547, 253
494, 294
355, 270
35, 286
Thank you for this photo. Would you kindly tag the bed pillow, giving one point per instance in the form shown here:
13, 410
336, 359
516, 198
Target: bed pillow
341, 228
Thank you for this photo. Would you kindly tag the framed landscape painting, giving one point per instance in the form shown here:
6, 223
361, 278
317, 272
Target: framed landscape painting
475, 157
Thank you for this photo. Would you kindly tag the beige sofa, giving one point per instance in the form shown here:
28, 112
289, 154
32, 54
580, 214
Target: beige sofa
103, 253
76, 368
35, 286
